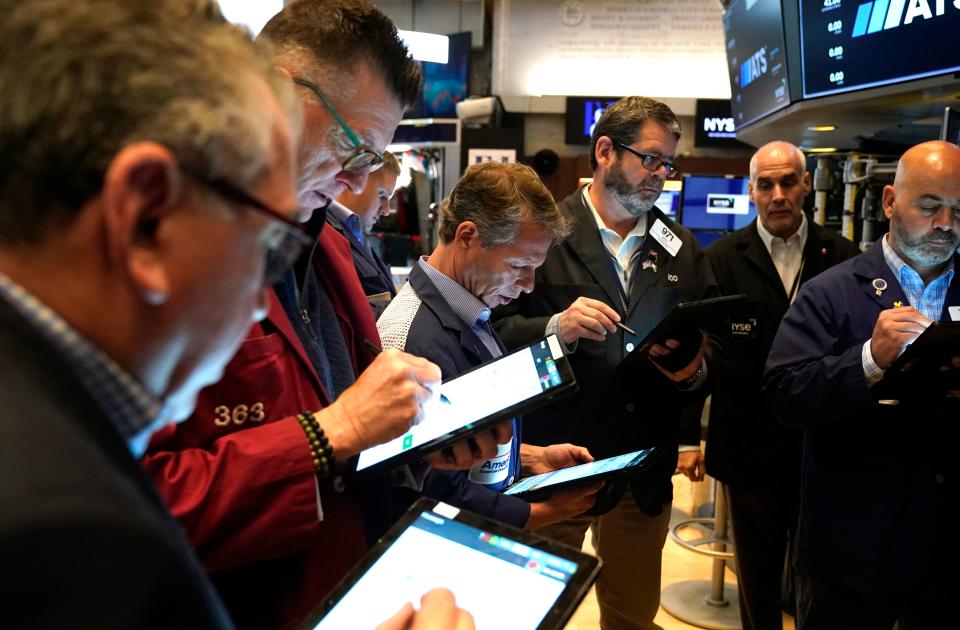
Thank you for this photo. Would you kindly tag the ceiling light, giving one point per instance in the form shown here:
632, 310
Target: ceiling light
822, 128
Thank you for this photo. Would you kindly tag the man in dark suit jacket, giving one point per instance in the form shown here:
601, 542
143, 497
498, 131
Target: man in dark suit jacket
130, 269
354, 215
747, 449
625, 260
495, 229
879, 489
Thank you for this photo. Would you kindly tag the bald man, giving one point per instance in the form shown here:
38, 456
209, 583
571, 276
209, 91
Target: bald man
874, 543
747, 449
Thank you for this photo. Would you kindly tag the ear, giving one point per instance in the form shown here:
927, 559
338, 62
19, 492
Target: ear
604, 151
807, 183
467, 235
750, 191
142, 186
887, 200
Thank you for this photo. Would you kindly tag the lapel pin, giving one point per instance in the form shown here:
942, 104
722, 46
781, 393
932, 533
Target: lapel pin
651, 261
880, 285
897, 304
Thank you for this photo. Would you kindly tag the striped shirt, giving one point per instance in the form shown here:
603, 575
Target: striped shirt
129, 407
465, 305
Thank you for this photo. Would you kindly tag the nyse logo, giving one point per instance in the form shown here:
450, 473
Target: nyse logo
873, 17
754, 67
716, 123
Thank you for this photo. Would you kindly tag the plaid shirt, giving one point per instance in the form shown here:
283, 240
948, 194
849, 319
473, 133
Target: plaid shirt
132, 410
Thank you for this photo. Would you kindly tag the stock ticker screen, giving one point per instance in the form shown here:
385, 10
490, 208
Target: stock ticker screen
855, 44
756, 59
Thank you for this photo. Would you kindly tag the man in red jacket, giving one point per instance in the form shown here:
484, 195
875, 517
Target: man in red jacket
275, 522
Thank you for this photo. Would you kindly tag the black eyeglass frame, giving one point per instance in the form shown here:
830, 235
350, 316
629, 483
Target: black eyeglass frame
650, 162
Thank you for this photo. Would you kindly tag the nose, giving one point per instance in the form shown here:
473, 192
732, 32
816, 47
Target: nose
526, 281
354, 180
778, 192
945, 219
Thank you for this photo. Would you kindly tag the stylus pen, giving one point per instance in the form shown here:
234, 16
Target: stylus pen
626, 328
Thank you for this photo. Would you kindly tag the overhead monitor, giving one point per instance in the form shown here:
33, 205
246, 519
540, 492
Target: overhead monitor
756, 59
715, 125
445, 84
715, 202
852, 44
583, 112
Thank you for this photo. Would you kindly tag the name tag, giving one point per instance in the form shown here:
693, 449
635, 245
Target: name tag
954, 312
665, 236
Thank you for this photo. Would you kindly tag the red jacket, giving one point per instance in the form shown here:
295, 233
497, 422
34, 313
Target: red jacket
238, 473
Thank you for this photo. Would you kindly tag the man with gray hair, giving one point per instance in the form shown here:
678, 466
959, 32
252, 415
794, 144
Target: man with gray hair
747, 449
625, 260
146, 199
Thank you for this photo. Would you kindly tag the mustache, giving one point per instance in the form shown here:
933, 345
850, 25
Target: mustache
943, 237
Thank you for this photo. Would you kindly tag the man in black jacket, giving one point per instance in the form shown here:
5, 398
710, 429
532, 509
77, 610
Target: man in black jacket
747, 449
625, 260
147, 178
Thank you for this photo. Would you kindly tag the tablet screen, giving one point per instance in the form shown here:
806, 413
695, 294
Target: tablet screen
591, 469
501, 581
480, 393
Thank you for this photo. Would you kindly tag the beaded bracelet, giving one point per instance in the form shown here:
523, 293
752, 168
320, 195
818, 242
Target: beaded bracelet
320, 450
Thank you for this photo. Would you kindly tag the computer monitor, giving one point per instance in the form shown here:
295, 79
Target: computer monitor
950, 129
712, 205
669, 200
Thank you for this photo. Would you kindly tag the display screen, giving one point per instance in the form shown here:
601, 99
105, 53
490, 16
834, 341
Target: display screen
950, 128
445, 84
583, 112
491, 575
715, 125
590, 469
486, 391
853, 44
716, 203
756, 59
669, 202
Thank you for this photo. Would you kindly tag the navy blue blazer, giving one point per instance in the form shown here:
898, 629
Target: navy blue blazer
374, 274
878, 481
85, 539
436, 333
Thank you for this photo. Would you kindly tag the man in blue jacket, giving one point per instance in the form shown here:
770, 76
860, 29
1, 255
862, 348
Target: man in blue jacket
878, 481
495, 230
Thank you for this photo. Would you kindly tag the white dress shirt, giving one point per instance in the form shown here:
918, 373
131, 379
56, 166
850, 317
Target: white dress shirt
787, 254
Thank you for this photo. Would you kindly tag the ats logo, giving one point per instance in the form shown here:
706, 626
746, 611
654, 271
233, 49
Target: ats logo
882, 15
755, 67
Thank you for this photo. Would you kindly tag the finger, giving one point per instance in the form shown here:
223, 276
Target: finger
603, 307
438, 609
581, 454
399, 620
486, 445
603, 319
503, 432
462, 454
464, 620
586, 320
657, 350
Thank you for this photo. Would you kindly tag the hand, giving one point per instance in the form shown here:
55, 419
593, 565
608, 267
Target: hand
473, 450
587, 318
658, 351
381, 405
536, 460
563, 505
690, 463
438, 609
894, 330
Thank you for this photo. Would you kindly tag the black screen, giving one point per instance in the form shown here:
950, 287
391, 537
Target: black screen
716, 126
583, 112
853, 44
756, 59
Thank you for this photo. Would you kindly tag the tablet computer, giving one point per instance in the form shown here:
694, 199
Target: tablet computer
538, 486
513, 384
918, 367
504, 577
683, 324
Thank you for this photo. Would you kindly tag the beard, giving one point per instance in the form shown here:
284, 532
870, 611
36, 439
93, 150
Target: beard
922, 249
632, 198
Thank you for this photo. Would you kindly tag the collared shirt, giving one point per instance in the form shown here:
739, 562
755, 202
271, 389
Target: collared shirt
928, 299
464, 304
129, 407
622, 250
349, 219
787, 254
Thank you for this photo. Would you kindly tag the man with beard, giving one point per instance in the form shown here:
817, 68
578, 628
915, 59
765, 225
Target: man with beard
625, 260
869, 541
747, 449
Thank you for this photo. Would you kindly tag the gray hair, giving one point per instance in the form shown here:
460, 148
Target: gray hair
621, 122
498, 198
80, 80
800, 160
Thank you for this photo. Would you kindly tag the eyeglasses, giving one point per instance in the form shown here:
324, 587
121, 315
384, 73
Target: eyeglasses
284, 241
651, 162
362, 156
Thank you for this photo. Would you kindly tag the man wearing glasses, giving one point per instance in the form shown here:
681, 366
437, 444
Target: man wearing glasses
259, 476
625, 262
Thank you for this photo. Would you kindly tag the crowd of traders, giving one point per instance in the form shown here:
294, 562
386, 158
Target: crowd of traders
166, 182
